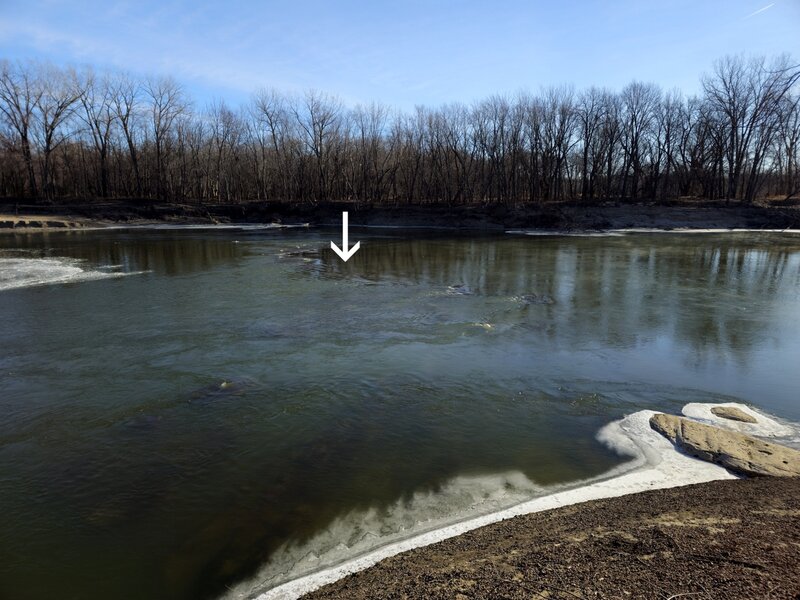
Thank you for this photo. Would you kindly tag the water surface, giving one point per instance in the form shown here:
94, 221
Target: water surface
185, 410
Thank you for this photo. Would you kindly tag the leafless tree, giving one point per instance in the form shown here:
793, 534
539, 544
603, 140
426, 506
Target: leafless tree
97, 101
60, 93
746, 95
167, 103
20, 94
113, 135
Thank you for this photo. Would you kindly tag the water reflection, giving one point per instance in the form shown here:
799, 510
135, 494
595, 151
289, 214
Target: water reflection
179, 253
712, 292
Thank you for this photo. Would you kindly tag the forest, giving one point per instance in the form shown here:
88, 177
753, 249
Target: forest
80, 134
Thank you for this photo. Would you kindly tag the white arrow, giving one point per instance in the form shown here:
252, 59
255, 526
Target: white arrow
344, 253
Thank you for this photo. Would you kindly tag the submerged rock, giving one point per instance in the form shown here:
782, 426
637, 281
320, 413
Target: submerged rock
742, 454
733, 413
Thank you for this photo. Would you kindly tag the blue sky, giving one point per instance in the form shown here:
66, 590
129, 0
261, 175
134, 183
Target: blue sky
399, 53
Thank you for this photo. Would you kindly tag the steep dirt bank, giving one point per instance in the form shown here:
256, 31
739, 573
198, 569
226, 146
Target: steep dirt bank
724, 539
567, 216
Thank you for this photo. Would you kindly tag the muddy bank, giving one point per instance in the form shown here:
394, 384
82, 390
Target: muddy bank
34, 222
722, 539
564, 216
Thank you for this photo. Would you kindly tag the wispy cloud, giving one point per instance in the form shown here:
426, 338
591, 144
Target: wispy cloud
760, 10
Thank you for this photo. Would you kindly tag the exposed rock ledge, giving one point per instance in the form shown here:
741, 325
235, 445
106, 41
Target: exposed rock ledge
733, 413
38, 222
742, 454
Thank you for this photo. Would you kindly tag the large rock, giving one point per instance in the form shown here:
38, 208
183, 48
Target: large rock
740, 453
733, 413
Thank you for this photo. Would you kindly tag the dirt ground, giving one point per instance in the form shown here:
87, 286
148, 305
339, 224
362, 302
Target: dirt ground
726, 539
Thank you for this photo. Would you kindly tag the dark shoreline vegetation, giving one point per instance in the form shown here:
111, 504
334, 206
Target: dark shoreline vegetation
564, 216
74, 135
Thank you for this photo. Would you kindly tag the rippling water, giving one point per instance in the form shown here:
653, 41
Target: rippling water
185, 411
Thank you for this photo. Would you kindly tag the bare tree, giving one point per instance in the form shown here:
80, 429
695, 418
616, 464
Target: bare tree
127, 108
788, 155
318, 116
99, 116
272, 127
113, 135
166, 103
640, 102
746, 95
591, 110
20, 94
55, 105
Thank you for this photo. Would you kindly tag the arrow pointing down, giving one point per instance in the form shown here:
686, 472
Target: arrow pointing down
344, 253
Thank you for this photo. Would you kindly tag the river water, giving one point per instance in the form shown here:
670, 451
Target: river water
191, 413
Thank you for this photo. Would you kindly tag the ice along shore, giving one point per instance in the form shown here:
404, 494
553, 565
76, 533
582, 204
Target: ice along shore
525, 531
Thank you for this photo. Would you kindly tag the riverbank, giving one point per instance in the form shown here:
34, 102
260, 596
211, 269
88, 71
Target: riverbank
722, 539
656, 465
594, 216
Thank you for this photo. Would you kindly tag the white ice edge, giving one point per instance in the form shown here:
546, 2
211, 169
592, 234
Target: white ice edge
196, 226
626, 230
16, 272
656, 464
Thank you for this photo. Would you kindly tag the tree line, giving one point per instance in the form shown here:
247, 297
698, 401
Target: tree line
68, 133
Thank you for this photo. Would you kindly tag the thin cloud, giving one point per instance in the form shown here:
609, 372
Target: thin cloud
760, 10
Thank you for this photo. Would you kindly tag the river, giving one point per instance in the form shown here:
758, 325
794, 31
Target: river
188, 409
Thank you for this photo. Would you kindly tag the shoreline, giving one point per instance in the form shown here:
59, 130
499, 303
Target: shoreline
719, 539
563, 218
655, 465
89, 226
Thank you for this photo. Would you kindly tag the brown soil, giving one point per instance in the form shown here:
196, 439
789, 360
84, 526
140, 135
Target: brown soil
725, 539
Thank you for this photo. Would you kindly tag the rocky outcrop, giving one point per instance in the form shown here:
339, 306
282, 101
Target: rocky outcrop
28, 222
742, 454
733, 413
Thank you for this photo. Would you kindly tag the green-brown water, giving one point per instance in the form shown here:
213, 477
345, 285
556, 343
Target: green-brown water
427, 374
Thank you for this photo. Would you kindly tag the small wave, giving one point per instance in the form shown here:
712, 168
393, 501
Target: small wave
361, 539
27, 272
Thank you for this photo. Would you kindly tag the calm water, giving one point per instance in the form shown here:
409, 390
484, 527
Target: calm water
192, 407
